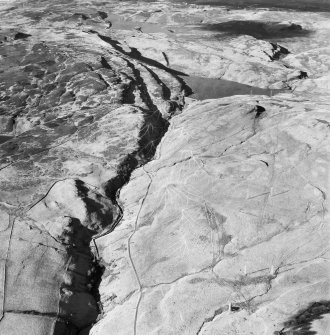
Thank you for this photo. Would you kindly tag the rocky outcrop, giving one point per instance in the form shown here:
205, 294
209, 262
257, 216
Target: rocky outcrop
77, 118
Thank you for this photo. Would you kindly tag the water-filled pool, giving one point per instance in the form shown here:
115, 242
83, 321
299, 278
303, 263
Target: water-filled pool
209, 88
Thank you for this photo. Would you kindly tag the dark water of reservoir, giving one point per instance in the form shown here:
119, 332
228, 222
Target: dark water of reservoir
209, 88
258, 29
298, 5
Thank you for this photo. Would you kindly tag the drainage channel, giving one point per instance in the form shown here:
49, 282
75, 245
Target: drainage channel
154, 127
